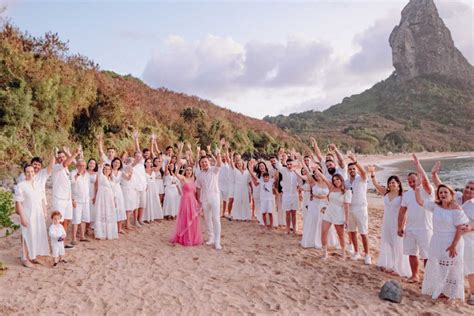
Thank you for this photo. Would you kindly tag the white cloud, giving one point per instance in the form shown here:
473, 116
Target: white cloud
259, 78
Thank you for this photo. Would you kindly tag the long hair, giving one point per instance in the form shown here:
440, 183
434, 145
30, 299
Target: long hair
96, 165
257, 169
338, 176
154, 164
120, 160
438, 200
397, 179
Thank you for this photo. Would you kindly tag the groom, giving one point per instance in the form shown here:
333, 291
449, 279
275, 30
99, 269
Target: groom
208, 194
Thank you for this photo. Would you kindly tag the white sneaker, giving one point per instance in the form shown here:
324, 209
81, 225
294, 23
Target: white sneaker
350, 249
368, 260
218, 247
210, 242
355, 256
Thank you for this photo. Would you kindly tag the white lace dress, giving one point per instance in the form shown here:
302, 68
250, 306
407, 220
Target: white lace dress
444, 275
119, 198
391, 245
312, 220
172, 197
105, 212
241, 206
92, 180
153, 208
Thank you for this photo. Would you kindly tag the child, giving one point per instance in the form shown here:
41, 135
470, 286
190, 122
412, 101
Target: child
57, 235
267, 200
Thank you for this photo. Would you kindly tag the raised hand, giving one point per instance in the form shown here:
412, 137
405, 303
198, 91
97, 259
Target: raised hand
135, 134
436, 167
153, 136
416, 161
332, 147
180, 146
208, 148
352, 157
222, 142
371, 169
188, 146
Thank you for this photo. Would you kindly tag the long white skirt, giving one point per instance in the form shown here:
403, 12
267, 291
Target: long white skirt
105, 226
119, 203
171, 201
241, 206
153, 208
444, 275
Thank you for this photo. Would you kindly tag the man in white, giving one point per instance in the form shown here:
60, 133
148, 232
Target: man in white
208, 194
328, 164
358, 213
415, 223
225, 184
139, 178
110, 151
289, 201
62, 196
80, 200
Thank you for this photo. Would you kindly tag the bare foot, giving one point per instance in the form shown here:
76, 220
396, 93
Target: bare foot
27, 264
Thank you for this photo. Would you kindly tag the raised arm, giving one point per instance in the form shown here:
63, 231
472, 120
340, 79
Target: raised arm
325, 180
218, 158
70, 158
360, 168
434, 174
421, 172
180, 153
380, 189
340, 159
136, 142
52, 161
100, 144
155, 145
152, 145
316, 149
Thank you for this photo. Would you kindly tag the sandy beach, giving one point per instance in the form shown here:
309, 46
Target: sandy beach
257, 272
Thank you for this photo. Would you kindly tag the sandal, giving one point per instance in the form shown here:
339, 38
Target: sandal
63, 261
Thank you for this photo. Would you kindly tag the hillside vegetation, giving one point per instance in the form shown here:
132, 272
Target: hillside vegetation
426, 113
50, 98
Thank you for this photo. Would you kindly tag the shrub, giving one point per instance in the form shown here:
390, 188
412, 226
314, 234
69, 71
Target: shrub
6, 210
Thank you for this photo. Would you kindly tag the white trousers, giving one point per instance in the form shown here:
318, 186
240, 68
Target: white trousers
212, 216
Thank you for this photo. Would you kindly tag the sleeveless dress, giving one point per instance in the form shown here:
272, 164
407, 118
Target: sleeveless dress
188, 226
119, 199
92, 180
306, 197
153, 208
105, 212
171, 201
159, 182
312, 220
391, 245
256, 201
241, 207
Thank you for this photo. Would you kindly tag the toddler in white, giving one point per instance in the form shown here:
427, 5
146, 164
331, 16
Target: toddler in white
57, 234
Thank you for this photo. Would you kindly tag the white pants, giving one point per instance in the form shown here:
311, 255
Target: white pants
212, 216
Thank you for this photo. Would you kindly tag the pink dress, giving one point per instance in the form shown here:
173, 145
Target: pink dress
188, 227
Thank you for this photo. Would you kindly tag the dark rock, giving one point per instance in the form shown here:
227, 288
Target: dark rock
391, 291
422, 45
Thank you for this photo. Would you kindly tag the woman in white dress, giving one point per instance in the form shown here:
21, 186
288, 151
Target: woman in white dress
105, 211
241, 209
153, 210
305, 191
92, 168
129, 192
30, 207
391, 258
444, 270
172, 195
336, 213
159, 173
119, 197
259, 171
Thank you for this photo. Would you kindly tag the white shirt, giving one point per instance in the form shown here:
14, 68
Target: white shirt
339, 170
40, 180
80, 187
139, 176
266, 189
208, 182
468, 208
224, 176
418, 218
359, 191
290, 180
61, 182
56, 231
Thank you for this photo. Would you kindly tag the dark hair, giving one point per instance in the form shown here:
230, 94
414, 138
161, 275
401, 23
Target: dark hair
145, 150
413, 173
265, 174
36, 159
397, 179
169, 147
161, 167
351, 164
110, 148
257, 169
61, 152
338, 176
148, 159
56, 213
289, 160
121, 164
96, 165
26, 166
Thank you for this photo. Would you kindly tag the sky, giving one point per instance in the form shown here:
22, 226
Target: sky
257, 58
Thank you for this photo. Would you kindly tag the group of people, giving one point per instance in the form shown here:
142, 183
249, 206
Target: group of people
108, 197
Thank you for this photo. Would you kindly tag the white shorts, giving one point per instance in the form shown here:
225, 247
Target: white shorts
289, 202
81, 213
417, 243
358, 221
64, 207
267, 206
57, 248
141, 199
224, 195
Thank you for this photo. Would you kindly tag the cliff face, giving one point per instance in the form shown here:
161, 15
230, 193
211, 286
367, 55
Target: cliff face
422, 45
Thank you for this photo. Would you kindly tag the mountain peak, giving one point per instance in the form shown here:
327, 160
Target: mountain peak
422, 45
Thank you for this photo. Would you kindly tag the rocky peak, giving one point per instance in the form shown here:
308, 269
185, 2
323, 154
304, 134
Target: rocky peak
422, 45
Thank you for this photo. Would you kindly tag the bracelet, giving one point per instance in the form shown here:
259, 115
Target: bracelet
372, 176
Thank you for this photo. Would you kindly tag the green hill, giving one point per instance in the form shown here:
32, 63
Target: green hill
425, 113
50, 98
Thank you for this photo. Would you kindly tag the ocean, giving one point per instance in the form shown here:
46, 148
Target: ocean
454, 171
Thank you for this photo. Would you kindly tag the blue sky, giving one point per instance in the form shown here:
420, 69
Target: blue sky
256, 58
